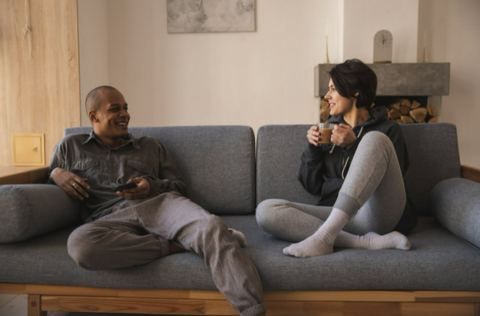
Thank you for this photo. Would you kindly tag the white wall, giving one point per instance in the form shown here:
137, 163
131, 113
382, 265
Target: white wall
364, 18
266, 77
93, 47
453, 36
250, 78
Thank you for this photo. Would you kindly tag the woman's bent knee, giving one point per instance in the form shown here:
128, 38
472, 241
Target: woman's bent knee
266, 212
376, 139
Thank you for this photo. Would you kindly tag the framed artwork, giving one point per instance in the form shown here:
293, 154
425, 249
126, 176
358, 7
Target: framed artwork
206, 16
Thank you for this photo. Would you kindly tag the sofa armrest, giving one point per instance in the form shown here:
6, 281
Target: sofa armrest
456, 205
471, 173
29, 210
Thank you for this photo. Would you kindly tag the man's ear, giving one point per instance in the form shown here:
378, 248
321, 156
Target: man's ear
92, 116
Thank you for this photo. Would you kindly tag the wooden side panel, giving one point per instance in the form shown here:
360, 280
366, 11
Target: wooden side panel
23, 175
40, 94
447, 296
471, 173
137, 305
368, 308
222, 307
320, 296
34, 306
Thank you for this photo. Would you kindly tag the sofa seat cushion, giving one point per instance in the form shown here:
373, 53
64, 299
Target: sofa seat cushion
438, 261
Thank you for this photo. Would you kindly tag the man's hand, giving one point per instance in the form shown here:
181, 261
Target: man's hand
70, 183
313, 135
343, 136
140, 192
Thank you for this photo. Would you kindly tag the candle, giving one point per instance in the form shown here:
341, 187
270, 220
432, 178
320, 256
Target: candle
425, 31
326, 26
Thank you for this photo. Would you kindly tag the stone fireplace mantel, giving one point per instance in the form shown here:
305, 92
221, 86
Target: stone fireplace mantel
419, 79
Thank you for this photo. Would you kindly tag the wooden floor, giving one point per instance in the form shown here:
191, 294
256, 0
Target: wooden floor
16, 305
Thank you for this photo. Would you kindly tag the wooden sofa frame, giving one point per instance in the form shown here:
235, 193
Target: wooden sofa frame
43, 298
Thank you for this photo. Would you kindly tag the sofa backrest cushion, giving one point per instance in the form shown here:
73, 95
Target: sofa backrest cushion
434, 157
432, 149
217, 163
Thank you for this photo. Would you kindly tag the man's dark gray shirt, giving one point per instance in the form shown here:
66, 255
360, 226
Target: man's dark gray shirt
105, 168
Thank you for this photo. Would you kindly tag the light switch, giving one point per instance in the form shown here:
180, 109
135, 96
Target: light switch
28, 149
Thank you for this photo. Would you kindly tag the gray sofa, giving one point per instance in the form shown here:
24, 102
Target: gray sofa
227, 175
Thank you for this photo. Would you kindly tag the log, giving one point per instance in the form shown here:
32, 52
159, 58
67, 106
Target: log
406, 102
324, 110
415, 104
394, 114
407, 119
431, 110
323, 104
396, 106
404, 110
324, 113
419, 114
433, 119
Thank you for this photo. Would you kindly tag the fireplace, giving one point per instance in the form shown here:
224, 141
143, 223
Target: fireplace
411, 92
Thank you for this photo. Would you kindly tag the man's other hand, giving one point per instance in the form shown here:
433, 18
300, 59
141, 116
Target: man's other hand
140, 192
72, 184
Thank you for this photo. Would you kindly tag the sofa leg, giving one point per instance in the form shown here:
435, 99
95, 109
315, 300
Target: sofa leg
35, 306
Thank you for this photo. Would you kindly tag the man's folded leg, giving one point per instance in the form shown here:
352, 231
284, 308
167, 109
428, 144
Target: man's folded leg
177, 218
110, 241
112, 244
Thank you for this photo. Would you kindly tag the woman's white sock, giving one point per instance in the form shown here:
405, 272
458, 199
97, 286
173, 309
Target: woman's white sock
322, 241
372, 241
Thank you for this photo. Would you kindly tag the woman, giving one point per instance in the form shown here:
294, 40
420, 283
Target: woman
360, 182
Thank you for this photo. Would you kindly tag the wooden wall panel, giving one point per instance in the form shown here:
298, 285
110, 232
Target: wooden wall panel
41, 94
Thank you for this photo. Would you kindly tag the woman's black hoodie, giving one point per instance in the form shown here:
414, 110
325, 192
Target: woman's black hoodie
322, 173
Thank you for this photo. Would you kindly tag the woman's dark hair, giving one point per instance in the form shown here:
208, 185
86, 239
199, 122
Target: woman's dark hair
354, 76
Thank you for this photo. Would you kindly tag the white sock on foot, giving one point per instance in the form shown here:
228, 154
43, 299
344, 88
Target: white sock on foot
321, 242
372, 241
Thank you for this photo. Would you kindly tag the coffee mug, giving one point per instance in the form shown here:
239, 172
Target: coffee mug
325, 130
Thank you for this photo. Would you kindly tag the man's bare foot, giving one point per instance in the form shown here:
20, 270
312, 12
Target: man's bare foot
239, 236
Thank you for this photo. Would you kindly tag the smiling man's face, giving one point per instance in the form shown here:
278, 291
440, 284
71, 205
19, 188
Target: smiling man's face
112, 117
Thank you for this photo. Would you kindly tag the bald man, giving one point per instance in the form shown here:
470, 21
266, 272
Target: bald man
151, 220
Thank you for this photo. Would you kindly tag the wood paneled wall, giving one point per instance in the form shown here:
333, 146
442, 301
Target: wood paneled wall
41, 94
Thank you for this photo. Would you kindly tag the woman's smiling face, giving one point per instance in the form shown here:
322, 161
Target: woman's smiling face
338, 105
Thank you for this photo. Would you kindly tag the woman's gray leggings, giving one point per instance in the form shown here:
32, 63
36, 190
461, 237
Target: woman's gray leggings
373, 196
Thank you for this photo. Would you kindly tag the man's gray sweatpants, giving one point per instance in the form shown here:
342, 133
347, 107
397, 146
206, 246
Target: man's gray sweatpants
373, 196
137, 233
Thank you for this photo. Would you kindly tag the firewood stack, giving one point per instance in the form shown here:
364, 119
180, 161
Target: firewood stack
324, 110
406, 112
402, 112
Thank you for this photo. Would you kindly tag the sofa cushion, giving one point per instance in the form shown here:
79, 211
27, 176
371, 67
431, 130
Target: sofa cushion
217, 163
456, 205
29, 210
438, 260
432, 149
279, 148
